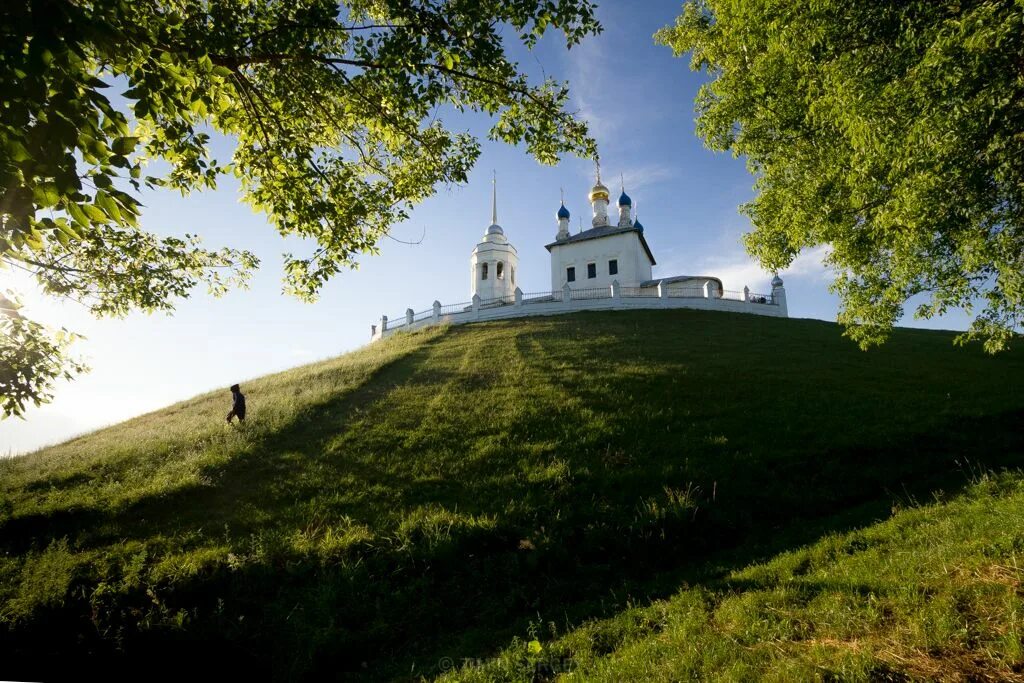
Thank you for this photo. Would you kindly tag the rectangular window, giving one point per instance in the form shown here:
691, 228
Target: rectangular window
613, 267
570, 274
591, 271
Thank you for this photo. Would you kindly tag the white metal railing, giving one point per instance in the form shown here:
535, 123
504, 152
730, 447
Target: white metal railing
456, 308
690, 292
542, 297
568, 299
497, 301
591, 293
638, 291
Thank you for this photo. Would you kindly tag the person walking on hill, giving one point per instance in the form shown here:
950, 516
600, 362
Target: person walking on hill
238, 404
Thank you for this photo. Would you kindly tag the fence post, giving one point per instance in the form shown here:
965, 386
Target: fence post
373, 331
616, 290
566, 294
409, 313
662, 290
746, 294
519, 297
437, 311
476, 305
383, 325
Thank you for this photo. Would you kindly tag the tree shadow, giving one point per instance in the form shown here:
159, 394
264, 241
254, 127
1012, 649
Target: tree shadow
590, 504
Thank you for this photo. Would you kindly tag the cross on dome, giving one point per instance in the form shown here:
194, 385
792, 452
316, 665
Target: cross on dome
562, 211
624, 199
599, 191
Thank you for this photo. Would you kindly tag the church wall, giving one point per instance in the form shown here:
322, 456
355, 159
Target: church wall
634, 266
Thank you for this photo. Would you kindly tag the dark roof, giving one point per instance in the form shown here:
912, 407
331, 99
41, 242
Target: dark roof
678, 278
604, 231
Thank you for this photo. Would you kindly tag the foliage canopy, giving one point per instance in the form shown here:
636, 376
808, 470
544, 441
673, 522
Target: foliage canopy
891, 132
334, 107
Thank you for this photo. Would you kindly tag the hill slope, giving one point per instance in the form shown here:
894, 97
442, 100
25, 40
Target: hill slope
428, 498
935, 593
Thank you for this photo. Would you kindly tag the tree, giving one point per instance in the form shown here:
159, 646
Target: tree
335, 108
893, 132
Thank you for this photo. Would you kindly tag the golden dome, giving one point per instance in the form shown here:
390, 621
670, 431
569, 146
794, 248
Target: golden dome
599, 191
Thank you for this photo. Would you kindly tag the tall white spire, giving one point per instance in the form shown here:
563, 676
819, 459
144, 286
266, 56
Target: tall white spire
494, 197
494, 228
494, 261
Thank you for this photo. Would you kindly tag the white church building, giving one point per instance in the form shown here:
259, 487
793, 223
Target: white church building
607, 266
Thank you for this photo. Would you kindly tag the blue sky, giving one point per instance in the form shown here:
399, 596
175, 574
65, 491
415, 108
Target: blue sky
638, 100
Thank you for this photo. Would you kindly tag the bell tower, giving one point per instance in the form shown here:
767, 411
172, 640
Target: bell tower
494, 261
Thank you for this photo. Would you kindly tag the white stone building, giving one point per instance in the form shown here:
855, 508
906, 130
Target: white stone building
607, 266
608, 252
493, 263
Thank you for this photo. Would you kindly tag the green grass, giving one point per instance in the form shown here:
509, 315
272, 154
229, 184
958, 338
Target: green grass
932, 594
458, 494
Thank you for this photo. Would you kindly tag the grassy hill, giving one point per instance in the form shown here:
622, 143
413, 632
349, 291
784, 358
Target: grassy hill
649, 494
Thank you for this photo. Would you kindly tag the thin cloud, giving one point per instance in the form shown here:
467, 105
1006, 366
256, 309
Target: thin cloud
737, 270
595, 90
590, 88
639, 179
741, 271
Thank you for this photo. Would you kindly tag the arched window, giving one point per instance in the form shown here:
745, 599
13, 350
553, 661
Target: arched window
512, 272
499, 271
483, 271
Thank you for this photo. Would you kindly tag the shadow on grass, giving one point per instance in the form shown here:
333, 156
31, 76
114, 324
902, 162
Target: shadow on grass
589, 506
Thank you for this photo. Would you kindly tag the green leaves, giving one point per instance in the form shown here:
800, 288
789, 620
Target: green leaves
32, 357
124, 145
328, 110
46, 195
892, 133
